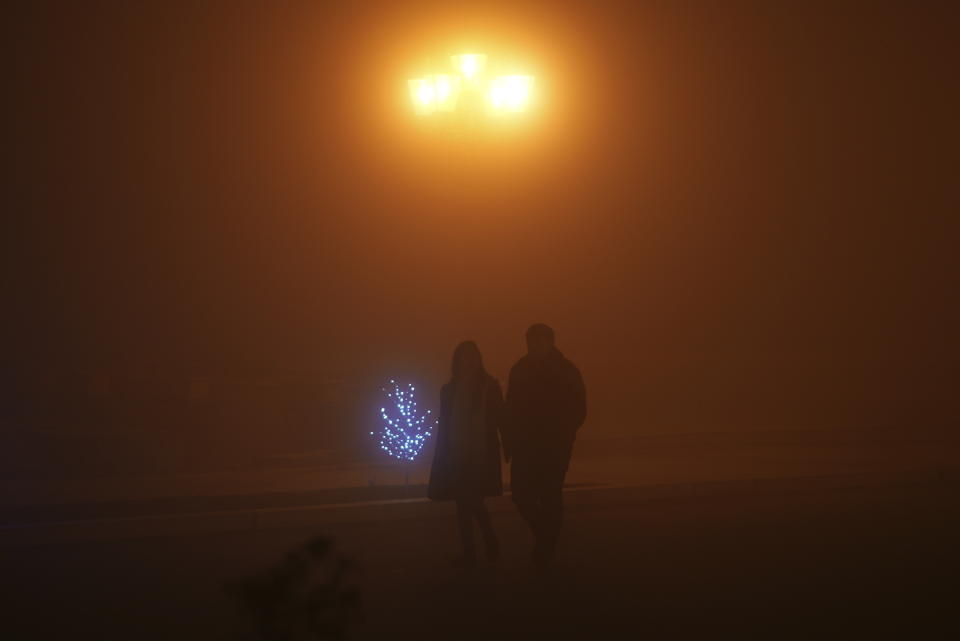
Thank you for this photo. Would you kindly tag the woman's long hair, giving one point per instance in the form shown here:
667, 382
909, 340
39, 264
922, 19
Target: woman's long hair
458, 373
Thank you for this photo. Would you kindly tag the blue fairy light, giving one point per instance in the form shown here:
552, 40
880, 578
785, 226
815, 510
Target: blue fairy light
404, 431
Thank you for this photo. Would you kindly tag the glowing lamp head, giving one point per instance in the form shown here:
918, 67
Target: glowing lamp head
446, 89
434, 93
510, 94
470, 66
422, 95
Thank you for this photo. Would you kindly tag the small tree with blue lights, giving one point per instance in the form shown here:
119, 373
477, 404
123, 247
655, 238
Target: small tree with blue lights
404, 429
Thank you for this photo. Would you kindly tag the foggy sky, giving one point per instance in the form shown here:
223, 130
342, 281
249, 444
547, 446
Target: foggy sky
731, 213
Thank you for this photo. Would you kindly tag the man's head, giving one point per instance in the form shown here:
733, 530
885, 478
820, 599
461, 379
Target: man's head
539, 340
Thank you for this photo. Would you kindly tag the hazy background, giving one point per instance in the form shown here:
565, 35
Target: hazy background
226, 229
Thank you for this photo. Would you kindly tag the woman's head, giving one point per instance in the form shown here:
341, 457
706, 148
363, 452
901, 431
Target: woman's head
466, 361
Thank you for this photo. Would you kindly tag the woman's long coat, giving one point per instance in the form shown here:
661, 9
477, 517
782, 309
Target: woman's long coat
450, 481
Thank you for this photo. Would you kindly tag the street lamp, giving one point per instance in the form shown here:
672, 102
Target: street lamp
503, 95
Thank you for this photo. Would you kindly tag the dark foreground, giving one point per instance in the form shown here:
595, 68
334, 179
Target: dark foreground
845, 557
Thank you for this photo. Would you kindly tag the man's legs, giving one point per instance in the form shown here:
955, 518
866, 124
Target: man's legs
523, 487
536, 479
465, 511
551, 472
551, 506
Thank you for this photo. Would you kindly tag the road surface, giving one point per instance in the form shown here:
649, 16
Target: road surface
843, 556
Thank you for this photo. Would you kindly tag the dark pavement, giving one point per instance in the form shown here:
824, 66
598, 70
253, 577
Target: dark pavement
808, 558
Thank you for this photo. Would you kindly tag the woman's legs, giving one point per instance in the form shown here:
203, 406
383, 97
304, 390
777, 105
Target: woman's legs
468, 509
465, 512
486, 529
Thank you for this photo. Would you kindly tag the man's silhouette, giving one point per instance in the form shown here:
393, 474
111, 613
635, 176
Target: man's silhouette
545, 405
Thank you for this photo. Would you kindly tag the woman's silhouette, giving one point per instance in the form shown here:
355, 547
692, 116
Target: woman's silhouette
466, 462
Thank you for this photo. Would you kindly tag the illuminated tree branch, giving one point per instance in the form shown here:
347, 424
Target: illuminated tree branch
404, 430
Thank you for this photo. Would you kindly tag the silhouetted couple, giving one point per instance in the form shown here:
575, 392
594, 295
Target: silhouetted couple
537, 424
